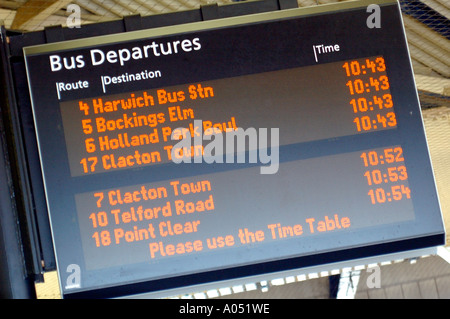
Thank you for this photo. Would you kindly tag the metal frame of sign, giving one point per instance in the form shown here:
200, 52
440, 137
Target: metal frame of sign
387, 136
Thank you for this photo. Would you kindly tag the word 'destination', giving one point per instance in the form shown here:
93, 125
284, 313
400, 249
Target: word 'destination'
186, 152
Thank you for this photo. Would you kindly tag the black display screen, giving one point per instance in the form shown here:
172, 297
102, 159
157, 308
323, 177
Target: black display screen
180, 156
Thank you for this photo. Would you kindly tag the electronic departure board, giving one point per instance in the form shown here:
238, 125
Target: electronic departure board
223, 149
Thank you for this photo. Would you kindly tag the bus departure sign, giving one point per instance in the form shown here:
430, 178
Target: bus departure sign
222, 149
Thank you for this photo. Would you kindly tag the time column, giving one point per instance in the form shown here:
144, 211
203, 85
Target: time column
386, 175
370, 97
